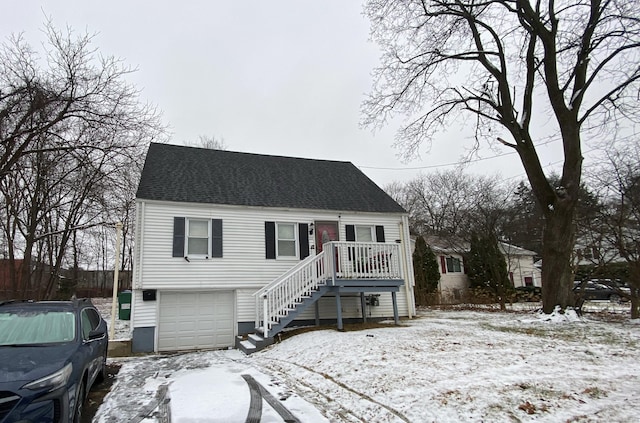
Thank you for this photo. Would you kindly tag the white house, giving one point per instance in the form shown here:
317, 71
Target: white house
521, 265
230, 243
454, 282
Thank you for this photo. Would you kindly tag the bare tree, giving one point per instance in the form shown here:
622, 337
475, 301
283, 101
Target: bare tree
504, 63
619, 181
208, 141
452, 204
71, 128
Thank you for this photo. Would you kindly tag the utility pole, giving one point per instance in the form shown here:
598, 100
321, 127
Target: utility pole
112, 327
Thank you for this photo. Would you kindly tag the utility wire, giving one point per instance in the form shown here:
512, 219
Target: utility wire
452, 163
472, 161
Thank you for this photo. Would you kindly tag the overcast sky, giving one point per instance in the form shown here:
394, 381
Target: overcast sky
277, 77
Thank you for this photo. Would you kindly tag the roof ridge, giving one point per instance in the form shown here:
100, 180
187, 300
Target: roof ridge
253, 154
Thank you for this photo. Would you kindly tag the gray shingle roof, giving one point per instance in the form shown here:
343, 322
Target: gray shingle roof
197, 175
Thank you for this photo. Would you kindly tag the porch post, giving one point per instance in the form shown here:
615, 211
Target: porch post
395, 308
333, 263
362, 307
265, 317
339, 310
317, 307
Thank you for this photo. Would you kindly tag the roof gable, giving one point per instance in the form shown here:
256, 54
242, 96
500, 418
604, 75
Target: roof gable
198, 175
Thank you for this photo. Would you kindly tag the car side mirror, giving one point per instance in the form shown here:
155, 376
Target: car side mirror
96, 334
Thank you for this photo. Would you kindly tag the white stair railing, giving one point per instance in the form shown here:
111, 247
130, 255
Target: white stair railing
338, 260
276, 299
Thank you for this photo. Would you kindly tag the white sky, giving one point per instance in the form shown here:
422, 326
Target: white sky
280, 77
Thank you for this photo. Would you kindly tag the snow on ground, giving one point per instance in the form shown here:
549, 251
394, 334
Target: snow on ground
444, 366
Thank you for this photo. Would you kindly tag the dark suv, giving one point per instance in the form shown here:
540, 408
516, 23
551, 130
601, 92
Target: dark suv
51, 353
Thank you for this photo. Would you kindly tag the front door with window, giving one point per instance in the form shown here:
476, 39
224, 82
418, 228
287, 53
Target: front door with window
325, 232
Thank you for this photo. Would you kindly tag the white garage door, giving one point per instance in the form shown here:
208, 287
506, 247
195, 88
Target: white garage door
194, 320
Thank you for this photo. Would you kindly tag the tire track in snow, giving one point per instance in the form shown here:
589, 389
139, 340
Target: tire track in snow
341, 385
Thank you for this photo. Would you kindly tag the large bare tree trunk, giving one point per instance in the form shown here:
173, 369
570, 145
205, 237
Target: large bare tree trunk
557, 275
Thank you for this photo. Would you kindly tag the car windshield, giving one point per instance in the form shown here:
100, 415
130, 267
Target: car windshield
36, 327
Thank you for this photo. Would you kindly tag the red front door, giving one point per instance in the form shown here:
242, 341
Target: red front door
325, 232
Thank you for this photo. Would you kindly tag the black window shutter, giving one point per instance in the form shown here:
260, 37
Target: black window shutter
178, 237
216, 237
351, 232
270, 239
303, 240
351, 236
380, 233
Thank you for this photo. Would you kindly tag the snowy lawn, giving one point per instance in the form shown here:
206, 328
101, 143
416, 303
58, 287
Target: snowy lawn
445, 365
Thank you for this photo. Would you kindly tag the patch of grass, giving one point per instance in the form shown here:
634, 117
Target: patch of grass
531, 331
594, 392
527, 407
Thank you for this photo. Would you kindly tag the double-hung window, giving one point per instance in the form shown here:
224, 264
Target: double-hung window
364, 233
198, 237
286, 242
454, 265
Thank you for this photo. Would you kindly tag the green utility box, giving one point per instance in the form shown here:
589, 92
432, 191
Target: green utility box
124, 305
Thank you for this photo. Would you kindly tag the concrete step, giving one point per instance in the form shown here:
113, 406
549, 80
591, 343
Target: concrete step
247, 347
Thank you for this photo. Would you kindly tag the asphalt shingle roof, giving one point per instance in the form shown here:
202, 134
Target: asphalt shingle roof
198, 175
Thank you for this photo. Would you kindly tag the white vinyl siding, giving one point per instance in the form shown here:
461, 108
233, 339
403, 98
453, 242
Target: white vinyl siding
243, 268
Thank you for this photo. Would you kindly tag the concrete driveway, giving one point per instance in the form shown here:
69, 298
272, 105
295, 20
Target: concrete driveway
211, 386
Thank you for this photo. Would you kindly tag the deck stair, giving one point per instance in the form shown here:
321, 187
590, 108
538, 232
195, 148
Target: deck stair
256, 341
282, 301
278, 303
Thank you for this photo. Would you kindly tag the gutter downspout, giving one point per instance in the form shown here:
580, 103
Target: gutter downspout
139, 241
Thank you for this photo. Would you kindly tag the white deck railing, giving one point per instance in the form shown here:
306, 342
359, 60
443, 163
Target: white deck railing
338, 261
366, 260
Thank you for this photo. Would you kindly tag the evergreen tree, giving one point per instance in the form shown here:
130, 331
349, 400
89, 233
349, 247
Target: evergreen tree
425, 268
487, 267
475, 261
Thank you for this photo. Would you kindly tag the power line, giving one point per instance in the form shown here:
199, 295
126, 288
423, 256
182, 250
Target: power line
438, 165
450, 164
474, 161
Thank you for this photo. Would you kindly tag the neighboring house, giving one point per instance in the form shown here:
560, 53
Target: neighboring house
597, 252
521, 265
229, 243
454, 282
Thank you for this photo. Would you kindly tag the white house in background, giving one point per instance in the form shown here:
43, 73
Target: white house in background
454, 282
228, 244
521, 265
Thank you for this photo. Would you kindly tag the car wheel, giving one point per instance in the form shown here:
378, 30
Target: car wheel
614, 298
77, 414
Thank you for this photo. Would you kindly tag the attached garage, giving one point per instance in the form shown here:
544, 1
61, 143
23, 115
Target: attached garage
196, 320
